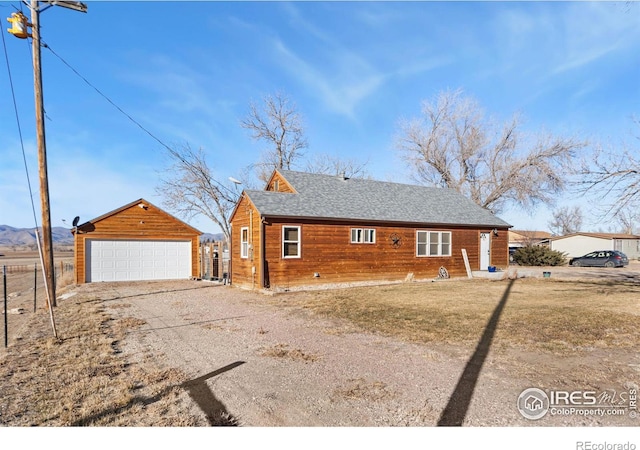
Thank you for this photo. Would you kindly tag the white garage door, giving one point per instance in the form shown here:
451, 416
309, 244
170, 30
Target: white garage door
116, 260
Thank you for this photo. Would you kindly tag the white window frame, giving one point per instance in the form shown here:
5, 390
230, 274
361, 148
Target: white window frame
244, 243
429, 243
285, 241
363, 235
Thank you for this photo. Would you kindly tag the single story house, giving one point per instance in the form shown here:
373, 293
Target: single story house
578, 244
308, 229
137, 241
524, 238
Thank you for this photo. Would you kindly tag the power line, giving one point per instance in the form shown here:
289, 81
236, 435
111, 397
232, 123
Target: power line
50, 302
15, 108
103, 95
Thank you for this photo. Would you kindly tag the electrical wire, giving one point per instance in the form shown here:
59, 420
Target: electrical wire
103, 95
33, 207
15, 108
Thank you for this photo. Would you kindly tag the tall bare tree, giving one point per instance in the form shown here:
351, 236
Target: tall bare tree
189, 188
566, 220
332, 165
452, 145
627, 220
613, 175
278, 123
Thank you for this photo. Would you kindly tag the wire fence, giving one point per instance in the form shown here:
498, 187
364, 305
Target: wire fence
60, 268
23, 290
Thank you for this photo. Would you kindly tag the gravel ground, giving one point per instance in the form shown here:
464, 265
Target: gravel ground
266, 365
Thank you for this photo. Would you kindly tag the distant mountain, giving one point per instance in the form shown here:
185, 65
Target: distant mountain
27, 236
61, 236
208, 237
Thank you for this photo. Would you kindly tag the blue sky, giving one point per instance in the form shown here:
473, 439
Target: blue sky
187, 72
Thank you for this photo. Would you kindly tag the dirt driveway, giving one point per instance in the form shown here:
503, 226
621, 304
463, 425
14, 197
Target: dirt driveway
265, 365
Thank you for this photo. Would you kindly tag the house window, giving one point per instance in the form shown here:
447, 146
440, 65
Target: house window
291, 242
244, 242
363, 236
433, 243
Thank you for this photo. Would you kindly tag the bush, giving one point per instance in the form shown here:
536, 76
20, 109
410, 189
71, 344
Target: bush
536, 255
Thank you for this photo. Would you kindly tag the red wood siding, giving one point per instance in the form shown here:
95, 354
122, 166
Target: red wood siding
242, 269
326, 249
279, 184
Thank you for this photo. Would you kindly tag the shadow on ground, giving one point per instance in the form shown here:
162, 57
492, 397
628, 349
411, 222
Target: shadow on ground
200, 393
458, 405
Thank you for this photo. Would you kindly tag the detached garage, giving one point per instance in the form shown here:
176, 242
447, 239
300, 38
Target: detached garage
138, 241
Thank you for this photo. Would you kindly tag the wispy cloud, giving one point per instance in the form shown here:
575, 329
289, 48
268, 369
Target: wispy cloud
346, 71
554, 39
592, 31
340, 92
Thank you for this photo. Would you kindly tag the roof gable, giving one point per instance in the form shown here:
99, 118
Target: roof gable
532, 234
335, 197
143, 204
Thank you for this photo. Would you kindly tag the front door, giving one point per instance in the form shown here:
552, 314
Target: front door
485, 250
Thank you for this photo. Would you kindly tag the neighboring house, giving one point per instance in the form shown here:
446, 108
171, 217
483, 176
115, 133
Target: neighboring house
310, 229
578, 244
138, 241
524, 238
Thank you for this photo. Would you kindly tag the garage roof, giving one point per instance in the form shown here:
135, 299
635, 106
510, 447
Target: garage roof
143, 204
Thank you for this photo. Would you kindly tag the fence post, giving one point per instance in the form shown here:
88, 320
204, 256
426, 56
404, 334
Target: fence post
35, 284
4, 283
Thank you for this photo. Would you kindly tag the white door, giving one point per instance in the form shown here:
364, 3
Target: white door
119, 260
485, 250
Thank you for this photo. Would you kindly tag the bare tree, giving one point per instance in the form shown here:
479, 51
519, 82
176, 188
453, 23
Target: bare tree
453, 146
566, 221
332, 165
189, 188
627, 220
277, 122
613, 176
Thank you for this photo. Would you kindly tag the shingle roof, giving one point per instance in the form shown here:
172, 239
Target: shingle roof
332, 197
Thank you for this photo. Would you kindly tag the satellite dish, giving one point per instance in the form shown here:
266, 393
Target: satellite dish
76, 219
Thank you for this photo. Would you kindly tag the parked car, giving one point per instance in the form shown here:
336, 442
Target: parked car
601, 258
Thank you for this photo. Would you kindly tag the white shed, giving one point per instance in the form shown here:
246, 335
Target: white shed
578, 244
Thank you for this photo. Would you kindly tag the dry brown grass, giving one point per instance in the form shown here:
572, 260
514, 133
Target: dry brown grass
83, 378
361, 389
542, 314
283, 351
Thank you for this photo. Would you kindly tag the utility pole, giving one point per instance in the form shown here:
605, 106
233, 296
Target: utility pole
19, 29
47, 240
